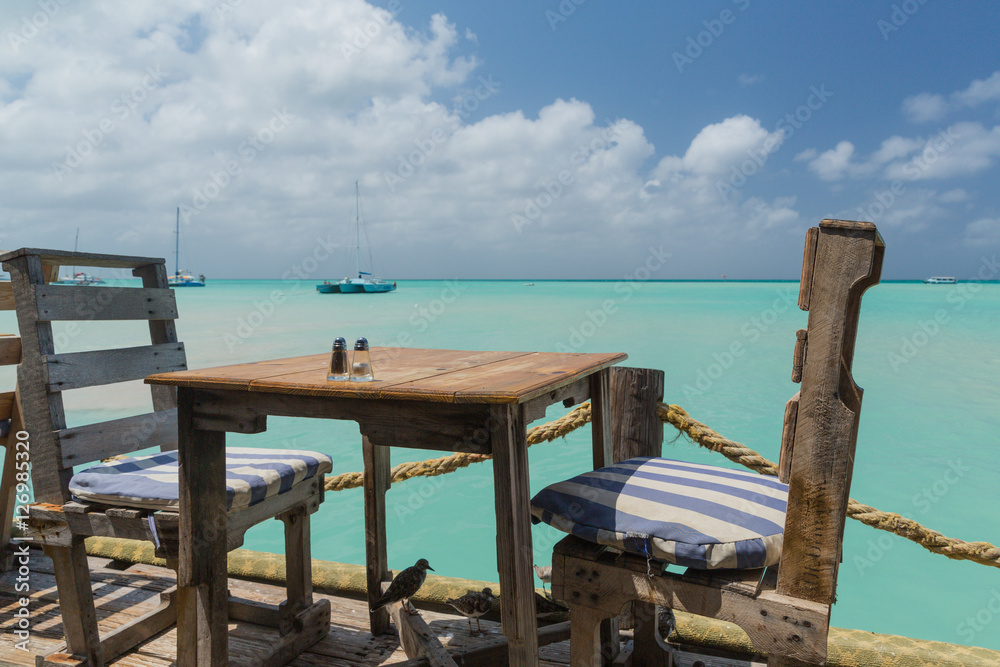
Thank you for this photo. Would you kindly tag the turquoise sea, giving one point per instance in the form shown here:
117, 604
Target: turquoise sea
928, 444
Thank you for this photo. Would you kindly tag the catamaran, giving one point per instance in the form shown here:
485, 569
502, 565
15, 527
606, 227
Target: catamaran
366, 281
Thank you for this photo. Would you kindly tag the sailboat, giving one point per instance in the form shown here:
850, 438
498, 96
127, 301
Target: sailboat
78, 277
180, 279
365, 282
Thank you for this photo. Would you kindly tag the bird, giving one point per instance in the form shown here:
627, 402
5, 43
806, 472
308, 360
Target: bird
404, 586
472, 605
544, 573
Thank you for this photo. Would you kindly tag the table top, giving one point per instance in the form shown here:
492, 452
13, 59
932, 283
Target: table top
445, 376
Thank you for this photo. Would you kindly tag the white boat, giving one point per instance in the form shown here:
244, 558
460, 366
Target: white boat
365, 282
182, 278
940, 280
78, 277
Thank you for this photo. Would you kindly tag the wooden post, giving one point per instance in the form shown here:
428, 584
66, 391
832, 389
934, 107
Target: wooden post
376, 484
73, 584
298, 564
514, 555
637, 431
600, 410
202, 588
635, 427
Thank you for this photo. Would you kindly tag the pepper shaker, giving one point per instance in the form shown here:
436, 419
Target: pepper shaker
361, 365
340, 369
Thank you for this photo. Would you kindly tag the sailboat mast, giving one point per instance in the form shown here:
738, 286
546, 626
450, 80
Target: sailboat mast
357, 225
177, 244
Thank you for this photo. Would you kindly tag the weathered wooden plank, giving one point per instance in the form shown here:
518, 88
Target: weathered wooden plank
99, 367
93, 442
10, 349
66, 258
16, 455
788, 438
569, 395
416, 638
73, 581
6, 295
161, 332
42, 411
635, 427
808, 263
74, 302
825, 427
6, 404
376, 483
514, 553
600, 422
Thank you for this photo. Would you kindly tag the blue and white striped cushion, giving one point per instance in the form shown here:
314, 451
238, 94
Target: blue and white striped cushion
150, 482
693, 515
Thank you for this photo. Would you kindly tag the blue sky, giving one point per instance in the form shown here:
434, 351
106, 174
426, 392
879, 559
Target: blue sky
502, 140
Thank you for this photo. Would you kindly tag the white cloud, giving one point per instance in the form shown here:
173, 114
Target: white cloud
259, 122
750, 79
925, 107
834, 164
962, 149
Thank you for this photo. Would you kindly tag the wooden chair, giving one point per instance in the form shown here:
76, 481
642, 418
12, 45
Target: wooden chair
60, 522
785, 608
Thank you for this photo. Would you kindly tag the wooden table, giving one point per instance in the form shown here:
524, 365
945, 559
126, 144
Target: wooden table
426, 399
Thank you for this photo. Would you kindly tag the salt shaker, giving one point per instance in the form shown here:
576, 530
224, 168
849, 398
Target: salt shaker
361, 365
340, 369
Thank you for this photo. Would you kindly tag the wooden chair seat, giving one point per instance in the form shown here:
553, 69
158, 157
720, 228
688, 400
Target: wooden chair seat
61, 522
785, 609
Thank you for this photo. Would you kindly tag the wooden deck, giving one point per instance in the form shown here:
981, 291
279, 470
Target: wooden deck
121, 594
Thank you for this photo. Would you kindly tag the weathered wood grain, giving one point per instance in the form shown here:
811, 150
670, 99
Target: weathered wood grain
636, 430
10, 349
377, 482
59, 258
93, 442
75, 302
99, 367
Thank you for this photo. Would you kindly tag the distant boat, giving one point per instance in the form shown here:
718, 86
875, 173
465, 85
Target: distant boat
181, 278
940, 280
365, 282
328, 288
78, 277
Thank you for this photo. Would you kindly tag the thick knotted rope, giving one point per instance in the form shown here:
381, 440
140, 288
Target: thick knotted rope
434, 467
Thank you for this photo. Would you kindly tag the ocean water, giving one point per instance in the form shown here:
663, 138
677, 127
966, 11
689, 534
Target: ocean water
927, 449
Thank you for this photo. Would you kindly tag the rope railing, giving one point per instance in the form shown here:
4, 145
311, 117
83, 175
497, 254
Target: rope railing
983, 553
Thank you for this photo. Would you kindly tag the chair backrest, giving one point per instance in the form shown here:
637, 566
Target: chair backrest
842, 259
44, 374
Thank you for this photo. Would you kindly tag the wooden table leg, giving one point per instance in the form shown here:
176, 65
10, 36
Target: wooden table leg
202, 575
377, 469
514, 554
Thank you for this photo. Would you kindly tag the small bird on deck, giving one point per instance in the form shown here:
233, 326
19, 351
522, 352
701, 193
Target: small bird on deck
472, 605
544, 573
404, 586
